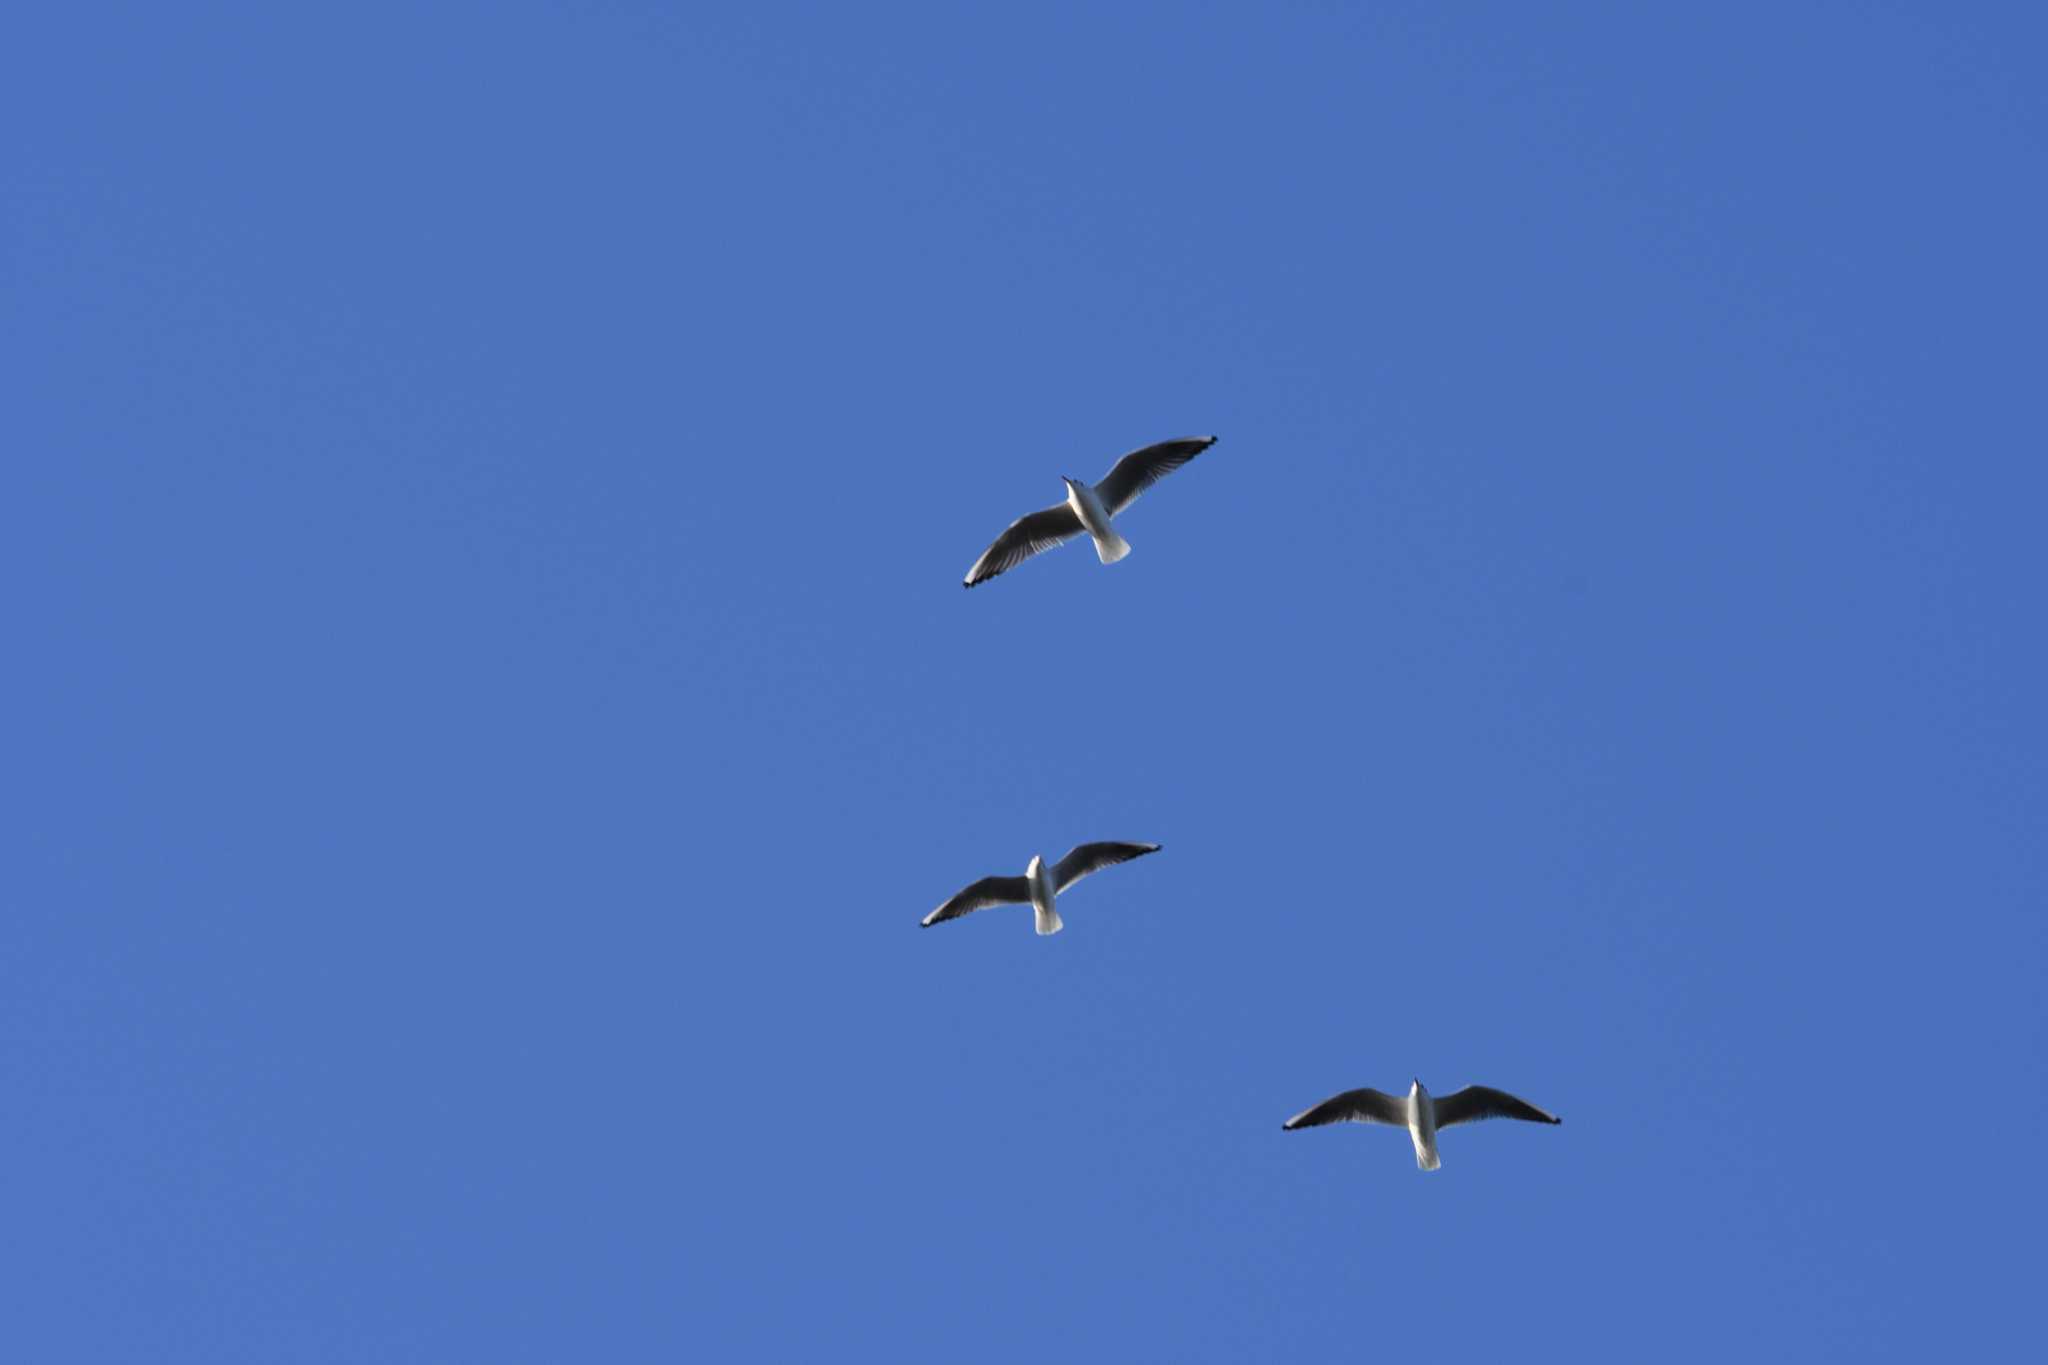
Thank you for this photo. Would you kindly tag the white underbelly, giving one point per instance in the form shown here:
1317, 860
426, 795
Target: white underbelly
1044, 916
1094, 516
1422, 1131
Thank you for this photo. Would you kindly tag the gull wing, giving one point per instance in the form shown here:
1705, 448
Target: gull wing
1476, 1102
1354, 1106
1026, 536
1140, 469
1085, 858
982, 894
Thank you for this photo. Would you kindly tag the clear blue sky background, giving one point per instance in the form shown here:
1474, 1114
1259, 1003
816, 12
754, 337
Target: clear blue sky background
489, 695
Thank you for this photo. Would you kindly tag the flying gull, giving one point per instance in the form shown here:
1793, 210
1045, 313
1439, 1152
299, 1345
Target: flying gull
1087, 509
1039, 885
1421, 1115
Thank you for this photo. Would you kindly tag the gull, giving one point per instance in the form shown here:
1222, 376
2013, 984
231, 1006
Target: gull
1421, 1115
1087, 509
1039, 885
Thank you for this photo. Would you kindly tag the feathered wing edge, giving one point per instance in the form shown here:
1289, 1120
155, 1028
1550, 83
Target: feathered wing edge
1353, 1106
1083, 859
1142, 468
1477, 1102
979, 896
1025, 537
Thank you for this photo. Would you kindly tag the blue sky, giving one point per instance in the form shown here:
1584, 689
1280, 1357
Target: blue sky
490, 696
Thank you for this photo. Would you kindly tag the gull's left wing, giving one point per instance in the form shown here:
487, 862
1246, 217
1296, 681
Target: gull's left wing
1085, 858
1476, 1102
1140, 469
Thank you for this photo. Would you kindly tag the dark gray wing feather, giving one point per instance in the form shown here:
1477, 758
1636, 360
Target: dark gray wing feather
1085, 858
1476, 1102
1354, 1106
1140, 469
984, 893
1026, 537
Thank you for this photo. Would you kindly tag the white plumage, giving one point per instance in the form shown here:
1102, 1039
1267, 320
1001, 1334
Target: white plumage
1420, 1113
1087, 509
1040, 886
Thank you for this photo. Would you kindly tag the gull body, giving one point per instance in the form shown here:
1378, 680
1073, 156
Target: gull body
1421, 1113
1043, 894
1422, 1127
1040, 886
1088, 507
1094, 518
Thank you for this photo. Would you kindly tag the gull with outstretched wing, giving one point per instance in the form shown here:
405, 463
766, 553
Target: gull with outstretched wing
1420, 1113
1040, 885
1087, 508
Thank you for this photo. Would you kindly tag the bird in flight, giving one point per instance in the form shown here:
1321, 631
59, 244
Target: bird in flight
1039, 885
1087, 509
1420, 1113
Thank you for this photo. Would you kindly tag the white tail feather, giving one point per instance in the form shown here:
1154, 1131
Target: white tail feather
1049, 921
1112, 547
